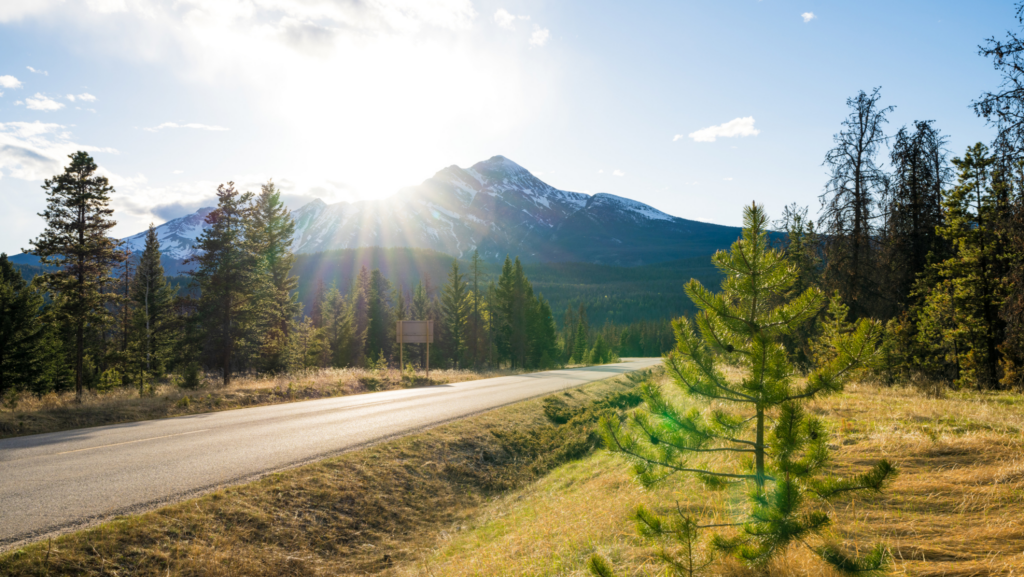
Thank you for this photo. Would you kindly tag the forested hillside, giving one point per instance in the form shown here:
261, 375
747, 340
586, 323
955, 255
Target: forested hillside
618, 295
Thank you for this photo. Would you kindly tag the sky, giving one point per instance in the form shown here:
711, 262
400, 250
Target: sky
693, 107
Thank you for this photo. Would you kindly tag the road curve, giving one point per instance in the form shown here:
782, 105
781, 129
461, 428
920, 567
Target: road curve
60, 481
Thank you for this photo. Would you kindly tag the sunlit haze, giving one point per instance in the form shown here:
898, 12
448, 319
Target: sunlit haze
692, 107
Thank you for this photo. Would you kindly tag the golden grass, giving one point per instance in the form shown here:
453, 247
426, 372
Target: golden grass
439, 503
58, 412
361, 513
957, 508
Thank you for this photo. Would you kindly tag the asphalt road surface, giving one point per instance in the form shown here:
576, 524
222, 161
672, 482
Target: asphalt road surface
61, 481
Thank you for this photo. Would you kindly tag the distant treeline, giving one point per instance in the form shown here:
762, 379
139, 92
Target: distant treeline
95, 316
610, 294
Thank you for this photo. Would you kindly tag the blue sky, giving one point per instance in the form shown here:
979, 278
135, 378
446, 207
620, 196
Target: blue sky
353, 99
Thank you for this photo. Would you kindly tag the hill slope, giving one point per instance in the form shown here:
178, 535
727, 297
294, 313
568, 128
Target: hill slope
610, 293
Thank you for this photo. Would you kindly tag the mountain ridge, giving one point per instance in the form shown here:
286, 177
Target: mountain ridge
495, 206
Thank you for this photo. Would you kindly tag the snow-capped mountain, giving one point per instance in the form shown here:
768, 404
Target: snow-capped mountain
495, 206
176, 236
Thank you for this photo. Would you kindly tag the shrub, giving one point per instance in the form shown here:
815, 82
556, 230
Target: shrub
191, 378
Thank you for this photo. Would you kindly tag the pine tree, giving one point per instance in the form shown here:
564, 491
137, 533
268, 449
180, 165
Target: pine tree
786, 446
601, 353
306, 345
420, 312
521, 303
579, 352
1004, 108
849, 213
504, 303
319, 298
124, 312
965, 303
581, 316
360, 316
76, 242
380, 325
802, 250
1012, 311
913, 211
475, 323
455, 308
338, 328
269, 232
569, 321
153, 313
229, 277
401, 313
493, 312
543, 335
22, 333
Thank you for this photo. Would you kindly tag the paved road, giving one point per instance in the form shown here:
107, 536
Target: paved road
59, 481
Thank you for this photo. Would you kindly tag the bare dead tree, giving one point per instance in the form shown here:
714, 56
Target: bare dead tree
849, 212
1004, 107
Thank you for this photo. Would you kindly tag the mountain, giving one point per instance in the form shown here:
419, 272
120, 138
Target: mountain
495, 206
500, 208
176, 236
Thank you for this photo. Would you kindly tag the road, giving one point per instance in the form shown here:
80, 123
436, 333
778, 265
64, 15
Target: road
56, 482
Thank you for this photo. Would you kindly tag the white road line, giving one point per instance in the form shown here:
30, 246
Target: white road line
135, 441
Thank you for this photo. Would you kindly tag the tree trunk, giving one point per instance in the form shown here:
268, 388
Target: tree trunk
759, 448
149, 344
79, 356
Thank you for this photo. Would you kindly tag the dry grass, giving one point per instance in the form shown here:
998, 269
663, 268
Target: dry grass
455, 501
362, 513
957, 508
58, 412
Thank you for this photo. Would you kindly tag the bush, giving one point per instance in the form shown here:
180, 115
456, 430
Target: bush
557, 411
191, 378
109, 379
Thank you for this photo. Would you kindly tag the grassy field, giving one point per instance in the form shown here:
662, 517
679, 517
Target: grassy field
957, 508
27, 414
365, 512
510, 493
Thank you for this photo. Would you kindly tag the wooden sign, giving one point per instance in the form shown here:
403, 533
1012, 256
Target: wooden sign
409, 332
415, 332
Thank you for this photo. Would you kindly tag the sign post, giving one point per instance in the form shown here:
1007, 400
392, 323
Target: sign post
415, 332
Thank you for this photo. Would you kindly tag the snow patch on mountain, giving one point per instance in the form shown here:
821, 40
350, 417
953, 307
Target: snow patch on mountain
626, 204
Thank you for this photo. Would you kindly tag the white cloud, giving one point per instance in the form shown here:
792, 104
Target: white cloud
735, 127
241, 43
177, 171
14, 10
85, 97
37, 150
194, 125
677, 137
618, 173
9, 82
34, 71
727, 178
41, 102
539, 36
107, 6
506, 20
808, 16
600, 171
